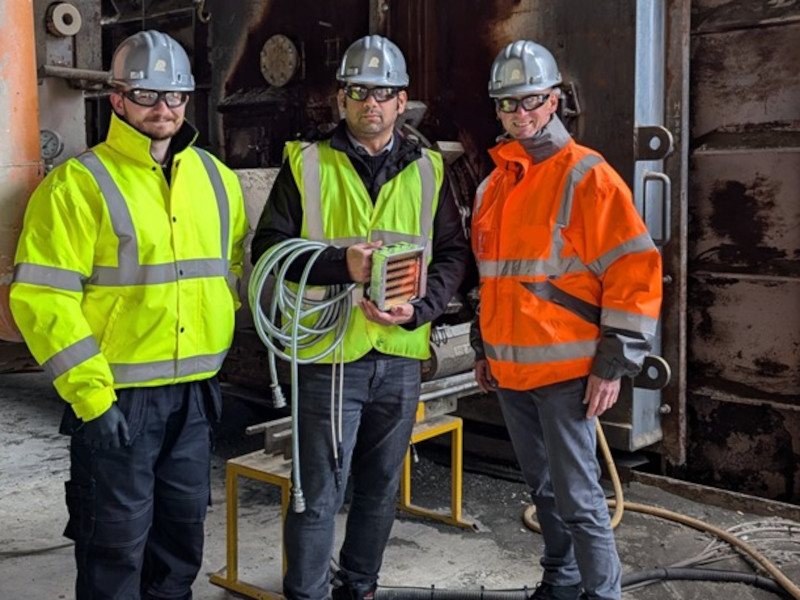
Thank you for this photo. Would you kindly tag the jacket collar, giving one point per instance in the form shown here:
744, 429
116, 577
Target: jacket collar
135, 145
546, 143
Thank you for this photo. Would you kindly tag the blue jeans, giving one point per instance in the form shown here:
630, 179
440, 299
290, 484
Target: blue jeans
555, 445
379, 403
136, 513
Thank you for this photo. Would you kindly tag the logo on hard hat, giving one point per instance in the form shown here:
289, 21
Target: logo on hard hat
160, 66
374, 62
516, 75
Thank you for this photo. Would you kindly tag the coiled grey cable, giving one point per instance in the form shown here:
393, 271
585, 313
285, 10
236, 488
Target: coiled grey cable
296, 321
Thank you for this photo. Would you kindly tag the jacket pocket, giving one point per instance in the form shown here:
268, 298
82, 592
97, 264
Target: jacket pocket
551, 293
210, 400
116, 310
133, 404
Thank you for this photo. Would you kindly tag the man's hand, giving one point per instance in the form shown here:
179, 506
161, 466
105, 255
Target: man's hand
397, 315
109, 430
601, 394
359, 260
483, 375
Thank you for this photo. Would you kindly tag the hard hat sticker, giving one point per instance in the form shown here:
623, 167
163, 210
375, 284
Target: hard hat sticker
516, 75
374, 62
160, 66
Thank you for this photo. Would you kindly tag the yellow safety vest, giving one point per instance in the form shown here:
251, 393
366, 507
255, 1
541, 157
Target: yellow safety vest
403, 211
123, 280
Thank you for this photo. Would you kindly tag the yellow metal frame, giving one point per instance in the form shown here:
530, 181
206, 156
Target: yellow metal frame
260, 466
276, 470
426, 429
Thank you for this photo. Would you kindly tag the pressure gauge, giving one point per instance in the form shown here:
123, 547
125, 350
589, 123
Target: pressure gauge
279, 60
51, 144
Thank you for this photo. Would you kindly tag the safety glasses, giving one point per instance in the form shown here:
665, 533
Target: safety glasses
362, 92
510, 105
151, 98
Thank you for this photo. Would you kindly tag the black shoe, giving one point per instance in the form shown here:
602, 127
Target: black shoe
546, 591
345, 592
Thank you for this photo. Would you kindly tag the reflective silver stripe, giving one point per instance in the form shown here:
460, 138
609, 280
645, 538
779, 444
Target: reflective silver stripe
479, 195
576, 175
163, 273
555, 265
121, 221
313, 204
71, 356
129, 271
541, 354
532, 268
312, 191
428, 181
166, 369
221, 195
640, 243
54, 277
618, 319
547, 291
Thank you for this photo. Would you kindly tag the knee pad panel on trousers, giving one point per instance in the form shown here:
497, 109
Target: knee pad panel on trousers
182, 510
120, 530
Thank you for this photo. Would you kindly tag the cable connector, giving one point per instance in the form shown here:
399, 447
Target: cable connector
298, 501
278, 399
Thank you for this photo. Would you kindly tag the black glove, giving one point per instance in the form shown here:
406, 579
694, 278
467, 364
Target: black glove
109, 430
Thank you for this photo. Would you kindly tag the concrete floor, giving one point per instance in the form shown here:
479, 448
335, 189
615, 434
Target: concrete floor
36, 562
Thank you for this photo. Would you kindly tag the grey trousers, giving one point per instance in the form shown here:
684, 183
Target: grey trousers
555, 445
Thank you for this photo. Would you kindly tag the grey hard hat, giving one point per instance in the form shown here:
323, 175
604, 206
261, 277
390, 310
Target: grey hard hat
523, 67
152, 60
373, 60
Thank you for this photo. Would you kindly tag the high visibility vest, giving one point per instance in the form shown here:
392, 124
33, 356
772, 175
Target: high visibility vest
338, 210
122, 280
562, 255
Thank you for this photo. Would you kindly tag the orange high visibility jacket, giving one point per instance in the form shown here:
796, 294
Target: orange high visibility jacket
570, 280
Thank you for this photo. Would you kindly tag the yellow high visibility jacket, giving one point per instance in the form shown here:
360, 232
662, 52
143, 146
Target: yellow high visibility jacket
123, 279
338, 210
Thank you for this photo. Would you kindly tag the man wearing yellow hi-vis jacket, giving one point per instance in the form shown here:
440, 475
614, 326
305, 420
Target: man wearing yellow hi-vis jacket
365, 185
123, 291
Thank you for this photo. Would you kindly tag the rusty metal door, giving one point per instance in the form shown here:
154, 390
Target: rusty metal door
744, 256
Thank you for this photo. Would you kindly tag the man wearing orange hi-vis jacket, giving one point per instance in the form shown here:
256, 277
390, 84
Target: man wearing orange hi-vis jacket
570, 293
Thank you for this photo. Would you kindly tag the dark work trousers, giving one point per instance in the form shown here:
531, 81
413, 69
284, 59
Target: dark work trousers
136, 513
379, 404
555, 445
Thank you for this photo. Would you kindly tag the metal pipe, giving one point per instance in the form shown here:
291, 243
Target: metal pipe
456, 389
21, 167
75, 74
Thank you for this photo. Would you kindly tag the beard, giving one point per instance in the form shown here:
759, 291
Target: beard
156, 128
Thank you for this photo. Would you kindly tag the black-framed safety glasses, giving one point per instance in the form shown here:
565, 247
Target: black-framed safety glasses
362, 92
150, 98
532, 102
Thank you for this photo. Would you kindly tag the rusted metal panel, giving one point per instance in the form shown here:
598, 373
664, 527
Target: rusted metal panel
746, 77
744, 283
753, 449
451, 50
715, 496
745, 337
675, 252
745, 213
259, 118
723, 15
